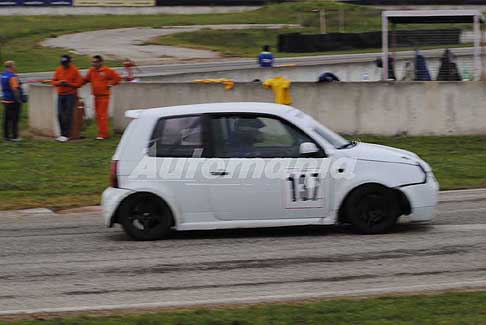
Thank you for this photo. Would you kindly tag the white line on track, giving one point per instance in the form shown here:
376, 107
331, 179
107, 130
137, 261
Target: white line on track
462, 210
472, 284
466, 227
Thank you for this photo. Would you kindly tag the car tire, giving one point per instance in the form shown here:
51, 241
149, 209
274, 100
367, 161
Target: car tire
145, 217
372, 209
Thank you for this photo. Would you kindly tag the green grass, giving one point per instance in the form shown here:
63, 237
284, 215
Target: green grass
45, 173
248, 43
449, 308
241, 43
20, 36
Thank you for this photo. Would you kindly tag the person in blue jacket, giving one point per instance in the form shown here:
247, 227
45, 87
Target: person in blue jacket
12, 101
265, 59
421, 70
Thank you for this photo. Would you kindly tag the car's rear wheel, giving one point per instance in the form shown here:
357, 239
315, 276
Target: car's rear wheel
372, 209
145, 217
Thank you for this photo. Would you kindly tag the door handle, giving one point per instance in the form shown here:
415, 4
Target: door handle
219, 173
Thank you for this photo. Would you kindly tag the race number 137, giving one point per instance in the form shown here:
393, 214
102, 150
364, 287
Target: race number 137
303, 190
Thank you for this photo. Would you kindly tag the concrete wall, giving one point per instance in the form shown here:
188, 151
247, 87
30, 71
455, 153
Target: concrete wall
42, 112
381, 108
144, 95
345, 72
414, 108
43, 108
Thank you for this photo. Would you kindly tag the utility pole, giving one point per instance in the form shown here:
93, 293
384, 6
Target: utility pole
322, 21
341, 20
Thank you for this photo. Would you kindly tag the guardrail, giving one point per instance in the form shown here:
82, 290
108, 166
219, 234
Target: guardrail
174, 69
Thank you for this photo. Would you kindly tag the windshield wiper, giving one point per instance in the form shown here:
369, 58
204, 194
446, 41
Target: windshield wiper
350, 144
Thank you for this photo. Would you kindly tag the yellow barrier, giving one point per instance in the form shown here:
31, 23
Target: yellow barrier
114, 3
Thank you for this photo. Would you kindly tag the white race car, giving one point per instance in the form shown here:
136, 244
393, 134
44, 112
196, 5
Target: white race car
249, 165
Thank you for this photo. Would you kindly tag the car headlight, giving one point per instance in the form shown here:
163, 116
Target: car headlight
431, 177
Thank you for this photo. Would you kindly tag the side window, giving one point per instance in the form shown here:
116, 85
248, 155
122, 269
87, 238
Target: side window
177, 137
253, 136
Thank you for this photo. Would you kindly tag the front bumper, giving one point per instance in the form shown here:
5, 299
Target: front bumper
110, 200
423, 199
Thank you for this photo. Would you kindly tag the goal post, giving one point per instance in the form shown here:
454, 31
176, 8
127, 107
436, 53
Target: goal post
393, 18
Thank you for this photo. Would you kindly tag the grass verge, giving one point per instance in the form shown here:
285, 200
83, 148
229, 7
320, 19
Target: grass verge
448, 308
45, 173
248, 42
20, 35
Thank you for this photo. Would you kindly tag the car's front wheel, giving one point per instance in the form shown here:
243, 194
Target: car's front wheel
372, 209
145, 217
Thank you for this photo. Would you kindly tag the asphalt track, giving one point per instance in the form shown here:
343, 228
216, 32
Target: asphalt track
70, 262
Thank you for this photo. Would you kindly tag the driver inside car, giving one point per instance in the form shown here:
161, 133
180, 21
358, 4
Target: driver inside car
246, 134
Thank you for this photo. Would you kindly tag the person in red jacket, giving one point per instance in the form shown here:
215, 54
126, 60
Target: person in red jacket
67, 80
102, 79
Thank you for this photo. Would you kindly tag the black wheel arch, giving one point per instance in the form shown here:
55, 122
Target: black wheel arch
404, 203
134, 196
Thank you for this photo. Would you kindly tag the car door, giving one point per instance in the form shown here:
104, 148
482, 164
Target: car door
177, 148
258, 173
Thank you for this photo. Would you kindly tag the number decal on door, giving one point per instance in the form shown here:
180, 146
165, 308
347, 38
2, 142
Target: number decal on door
303, 190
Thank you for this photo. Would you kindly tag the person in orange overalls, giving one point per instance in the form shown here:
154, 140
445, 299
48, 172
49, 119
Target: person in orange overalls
102, 79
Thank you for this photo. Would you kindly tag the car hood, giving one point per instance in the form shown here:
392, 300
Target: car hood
375, 152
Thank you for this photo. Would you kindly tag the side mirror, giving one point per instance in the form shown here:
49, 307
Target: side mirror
308, 148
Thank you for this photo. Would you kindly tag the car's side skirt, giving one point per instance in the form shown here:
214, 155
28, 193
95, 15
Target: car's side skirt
254, 223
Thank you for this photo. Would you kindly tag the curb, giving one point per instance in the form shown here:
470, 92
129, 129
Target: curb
462, 195
45, 211
87, 209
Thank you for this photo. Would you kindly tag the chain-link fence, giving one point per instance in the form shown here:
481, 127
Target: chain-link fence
439, 54
417, 51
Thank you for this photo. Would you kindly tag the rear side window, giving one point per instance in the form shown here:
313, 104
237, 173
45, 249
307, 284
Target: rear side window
178, 137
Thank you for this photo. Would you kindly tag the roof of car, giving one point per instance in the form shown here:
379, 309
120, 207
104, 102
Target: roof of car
239, 107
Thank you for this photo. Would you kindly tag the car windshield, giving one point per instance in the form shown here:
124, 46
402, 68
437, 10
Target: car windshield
333, 138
